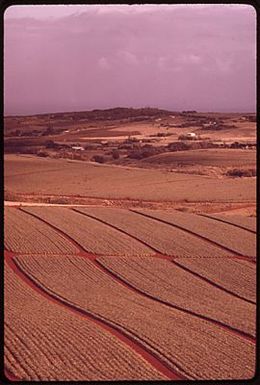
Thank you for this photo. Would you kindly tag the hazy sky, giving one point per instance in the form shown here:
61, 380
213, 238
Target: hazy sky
74, 58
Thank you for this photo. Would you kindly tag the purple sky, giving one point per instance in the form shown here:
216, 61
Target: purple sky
74, 58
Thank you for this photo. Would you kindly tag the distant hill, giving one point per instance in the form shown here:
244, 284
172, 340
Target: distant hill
110, 113
32, 124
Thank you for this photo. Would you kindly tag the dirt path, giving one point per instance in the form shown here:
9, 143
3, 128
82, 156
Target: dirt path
242, 208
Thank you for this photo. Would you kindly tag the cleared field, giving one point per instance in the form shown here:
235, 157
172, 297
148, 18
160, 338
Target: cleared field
173, 285
247, 223
45, 342
236, 276
206, 157
92, 235
162, 237
193, 347
25, 234
235, 239
111, 182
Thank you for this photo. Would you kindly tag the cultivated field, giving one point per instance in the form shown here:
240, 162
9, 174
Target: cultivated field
45, 342
234, 239
236, 276
109, 301
160, 236
247, 223
26, 234
165, 281
92, 235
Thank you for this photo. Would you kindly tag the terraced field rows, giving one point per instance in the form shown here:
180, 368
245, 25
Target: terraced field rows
235, 239
26, 234
160, 236
193, 347
44, 342
173, 285
247, 223
92, 235
238, 277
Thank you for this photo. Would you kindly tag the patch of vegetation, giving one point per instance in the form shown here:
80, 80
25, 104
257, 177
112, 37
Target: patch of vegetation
98, 158
161, 134
42, 154
178, 146
144, 152
115, 154
238, 172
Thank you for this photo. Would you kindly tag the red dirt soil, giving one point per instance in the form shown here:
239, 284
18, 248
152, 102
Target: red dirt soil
93, 257
10, 376
175, 261
163, 368
190, 232
133, 288
134, 345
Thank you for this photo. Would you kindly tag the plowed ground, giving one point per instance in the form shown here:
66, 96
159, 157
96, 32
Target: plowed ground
193, 347
248, 223
168, 282
233, 238
44, 342
26, 234
236, 276
160, 236
90, 234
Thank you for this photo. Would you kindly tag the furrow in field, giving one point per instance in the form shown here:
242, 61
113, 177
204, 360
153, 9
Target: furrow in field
235, 276
192, 347
171, 284
92, 235
245, 223
234, 239
162, 237
26, 234
44, 341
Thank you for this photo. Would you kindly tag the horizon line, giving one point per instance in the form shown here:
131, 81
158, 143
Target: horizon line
134, 108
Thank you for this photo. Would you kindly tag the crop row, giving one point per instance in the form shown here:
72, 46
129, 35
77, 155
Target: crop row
236, 276
248, 223
26, 234
44, 341
92, 235
170, 283
235, 239
191, 346
164, 238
